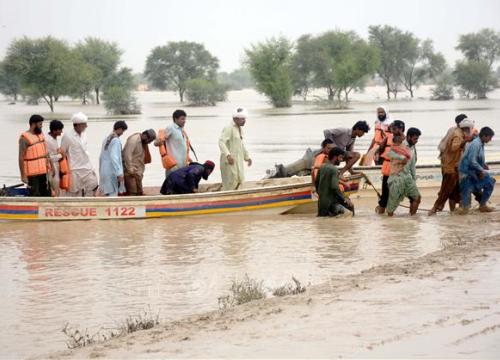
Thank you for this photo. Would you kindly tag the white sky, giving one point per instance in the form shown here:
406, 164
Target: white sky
227, 27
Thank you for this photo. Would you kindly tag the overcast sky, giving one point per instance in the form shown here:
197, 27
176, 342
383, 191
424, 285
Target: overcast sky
227, 27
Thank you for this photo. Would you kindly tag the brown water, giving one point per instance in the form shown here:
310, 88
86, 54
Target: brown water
97, 273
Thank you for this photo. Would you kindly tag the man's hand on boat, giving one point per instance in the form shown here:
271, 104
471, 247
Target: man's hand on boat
230, 160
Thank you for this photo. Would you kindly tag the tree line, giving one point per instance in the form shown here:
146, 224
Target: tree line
339, 62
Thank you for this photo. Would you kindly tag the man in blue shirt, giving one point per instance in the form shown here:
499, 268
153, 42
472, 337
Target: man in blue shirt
185, 180
474, 176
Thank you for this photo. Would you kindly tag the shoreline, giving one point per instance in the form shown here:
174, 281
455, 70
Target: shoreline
307, 324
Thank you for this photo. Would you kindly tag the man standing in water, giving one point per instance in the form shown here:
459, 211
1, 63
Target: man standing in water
33, 158
474, 176
345, 138
451, 154
135, 157
74, 144
176, 142
396, 128
331, 200
382, 124
111, 180
56, 128
233, 152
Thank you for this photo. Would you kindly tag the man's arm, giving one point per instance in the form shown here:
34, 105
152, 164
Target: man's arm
473, 156
128, 155
116, 157
224, 139
23, 145
193, 177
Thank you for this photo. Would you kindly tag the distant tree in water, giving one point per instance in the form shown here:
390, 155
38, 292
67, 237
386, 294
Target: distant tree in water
270, 65
173, 65
474, 75
237, 79
118, 93
103, 58
302, 67
46, 67
443, 89
10, 83
205, 92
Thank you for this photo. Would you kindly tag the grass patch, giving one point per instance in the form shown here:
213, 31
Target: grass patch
242, 292
291, 288
77, 338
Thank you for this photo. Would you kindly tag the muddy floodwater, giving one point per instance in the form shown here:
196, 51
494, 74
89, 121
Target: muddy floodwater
96, 273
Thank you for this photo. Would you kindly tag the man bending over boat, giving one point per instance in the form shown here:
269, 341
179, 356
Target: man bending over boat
474, 176
186, 180
402, 180
344, 138
332, 201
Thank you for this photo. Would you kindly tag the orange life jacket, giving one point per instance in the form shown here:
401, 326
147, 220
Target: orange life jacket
381, 128
64, 173
319, 160
386, 166
168, 161
35, 160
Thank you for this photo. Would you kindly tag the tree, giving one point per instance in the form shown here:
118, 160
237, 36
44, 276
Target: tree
269, 63
390, 42
237, 79
10, 84
46, 67
444, 86
475, 77
103, 56
86, 78
117, 93
172, 65
303, 65
205, 92
481, 46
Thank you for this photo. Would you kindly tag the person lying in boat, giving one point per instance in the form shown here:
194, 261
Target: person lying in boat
185, 180
474, 176
332, 201
344, 138
402, 180
340, 137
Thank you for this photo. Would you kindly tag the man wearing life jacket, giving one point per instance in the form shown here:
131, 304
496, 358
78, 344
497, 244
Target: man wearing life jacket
74, 144
396, 128
381, 127
55, 154
135, 157
321, 158
174, 143
34, 163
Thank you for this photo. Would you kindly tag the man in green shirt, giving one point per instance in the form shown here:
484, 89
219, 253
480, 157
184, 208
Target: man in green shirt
331, 200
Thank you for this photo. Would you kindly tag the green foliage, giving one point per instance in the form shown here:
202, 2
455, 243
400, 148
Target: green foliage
475, 78
237, 79
85, 79
173, 65
302, 66
10, 83
205, 92
444, 87
103, 58
46, 67
118, 97
269, 63
481, 46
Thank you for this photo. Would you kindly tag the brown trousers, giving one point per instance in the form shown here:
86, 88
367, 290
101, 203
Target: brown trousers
449, 190
133, 184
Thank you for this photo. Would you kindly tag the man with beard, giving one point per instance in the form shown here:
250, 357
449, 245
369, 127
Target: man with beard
331, 200
34, 162
135, 157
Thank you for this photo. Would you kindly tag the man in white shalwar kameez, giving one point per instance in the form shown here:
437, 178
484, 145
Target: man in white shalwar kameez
74, 144
233, 152
111, 180
53, 148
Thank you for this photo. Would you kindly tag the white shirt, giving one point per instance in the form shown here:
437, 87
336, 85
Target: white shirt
52, 146
75, 146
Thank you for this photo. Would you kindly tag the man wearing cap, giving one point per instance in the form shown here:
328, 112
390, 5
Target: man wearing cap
451, 153
233, 152
186, 180
135, 157
74, 144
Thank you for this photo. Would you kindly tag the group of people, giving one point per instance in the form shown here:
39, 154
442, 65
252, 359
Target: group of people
61, 167
462, 158
50, 168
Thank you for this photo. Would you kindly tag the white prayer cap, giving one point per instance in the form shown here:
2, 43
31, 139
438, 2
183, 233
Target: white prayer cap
240, 113
466, 123
79, 118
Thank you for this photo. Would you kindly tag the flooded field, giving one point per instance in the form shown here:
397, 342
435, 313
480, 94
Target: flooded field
93, 274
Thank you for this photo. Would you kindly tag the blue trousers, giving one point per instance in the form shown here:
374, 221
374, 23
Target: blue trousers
483, 187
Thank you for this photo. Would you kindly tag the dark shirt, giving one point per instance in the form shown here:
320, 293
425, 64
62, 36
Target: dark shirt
184, 180
327, 185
